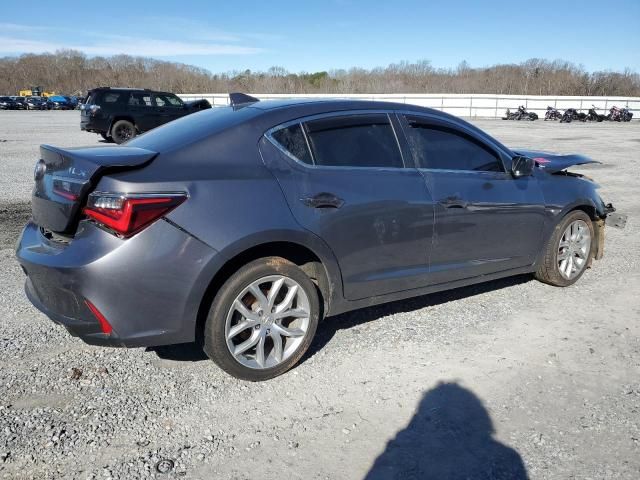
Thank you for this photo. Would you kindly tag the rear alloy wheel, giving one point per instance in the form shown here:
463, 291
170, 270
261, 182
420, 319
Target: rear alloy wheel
569, 251
262, 320
122, 130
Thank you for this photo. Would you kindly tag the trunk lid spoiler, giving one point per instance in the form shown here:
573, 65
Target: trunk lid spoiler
554, 162
64, 177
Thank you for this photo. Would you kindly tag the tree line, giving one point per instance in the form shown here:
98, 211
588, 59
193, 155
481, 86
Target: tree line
73, 73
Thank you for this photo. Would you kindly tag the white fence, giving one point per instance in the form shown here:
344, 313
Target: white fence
462, 105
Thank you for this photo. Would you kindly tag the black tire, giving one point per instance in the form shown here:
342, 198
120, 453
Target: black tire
106, 137
548, 270
214, 341
122, 130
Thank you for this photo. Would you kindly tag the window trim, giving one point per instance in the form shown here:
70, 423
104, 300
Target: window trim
438, 121
341, 113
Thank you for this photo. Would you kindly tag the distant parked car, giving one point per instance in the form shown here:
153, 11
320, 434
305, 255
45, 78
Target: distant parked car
7, 103
36, 103
20, 102
119, 114
73, 100
59, 102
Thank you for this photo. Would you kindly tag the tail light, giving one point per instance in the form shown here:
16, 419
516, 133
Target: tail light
91, 109
105, 326
128, 214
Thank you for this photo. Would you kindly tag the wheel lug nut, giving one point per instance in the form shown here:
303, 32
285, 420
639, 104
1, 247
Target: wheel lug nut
257, 327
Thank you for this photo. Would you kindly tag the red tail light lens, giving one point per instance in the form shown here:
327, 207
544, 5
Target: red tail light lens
104, 325
128, 214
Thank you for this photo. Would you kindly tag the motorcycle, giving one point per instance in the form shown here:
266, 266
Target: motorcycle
614, 114
594, 116
626, 114
552, 114
619, 114
520, 114
571, 114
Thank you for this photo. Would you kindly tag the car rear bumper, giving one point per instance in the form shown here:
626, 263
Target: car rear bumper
93, 124
148, 287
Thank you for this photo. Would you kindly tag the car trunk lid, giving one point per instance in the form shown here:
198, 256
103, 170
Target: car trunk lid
64, 177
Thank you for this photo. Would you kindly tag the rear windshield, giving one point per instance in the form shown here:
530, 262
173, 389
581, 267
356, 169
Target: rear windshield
192, 128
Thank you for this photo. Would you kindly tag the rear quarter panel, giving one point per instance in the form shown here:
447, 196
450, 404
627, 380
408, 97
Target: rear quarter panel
234, 203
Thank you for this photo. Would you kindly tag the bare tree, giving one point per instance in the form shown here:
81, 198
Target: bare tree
72, 72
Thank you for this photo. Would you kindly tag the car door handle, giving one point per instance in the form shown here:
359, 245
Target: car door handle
323, 200
453, 202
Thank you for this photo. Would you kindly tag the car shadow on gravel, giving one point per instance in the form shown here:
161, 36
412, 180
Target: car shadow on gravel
192, 352
450, 436
328, 328
183, 352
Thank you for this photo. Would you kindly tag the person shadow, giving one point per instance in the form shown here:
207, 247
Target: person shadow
449, 438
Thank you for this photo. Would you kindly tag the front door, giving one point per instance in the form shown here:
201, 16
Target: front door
485, 220
168, 107
345, 180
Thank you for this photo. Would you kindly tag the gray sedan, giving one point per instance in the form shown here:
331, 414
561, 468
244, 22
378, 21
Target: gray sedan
242, 227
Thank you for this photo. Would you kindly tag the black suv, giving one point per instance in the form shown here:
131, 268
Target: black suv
119, 114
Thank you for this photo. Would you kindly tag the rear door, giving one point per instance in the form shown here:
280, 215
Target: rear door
345, 179
140, 106
485, 220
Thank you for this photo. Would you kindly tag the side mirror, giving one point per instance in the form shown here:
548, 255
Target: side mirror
522, 166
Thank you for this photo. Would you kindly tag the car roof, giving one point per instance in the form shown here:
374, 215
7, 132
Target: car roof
300, 107
330, 103
126, 89
121, 88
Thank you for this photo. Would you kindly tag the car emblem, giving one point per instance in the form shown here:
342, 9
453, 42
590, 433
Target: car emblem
77, 172
39, 170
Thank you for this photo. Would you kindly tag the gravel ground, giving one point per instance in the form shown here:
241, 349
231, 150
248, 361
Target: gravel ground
486, 381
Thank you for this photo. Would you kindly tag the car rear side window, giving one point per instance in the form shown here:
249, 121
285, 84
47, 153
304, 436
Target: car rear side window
366, 140
111, 97
442, 148
292, 140
140, 100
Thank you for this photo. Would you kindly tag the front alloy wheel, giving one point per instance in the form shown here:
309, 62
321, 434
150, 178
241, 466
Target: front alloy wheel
262, 320
573, 249
568, 252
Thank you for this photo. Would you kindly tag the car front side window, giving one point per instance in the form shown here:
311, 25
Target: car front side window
440, 147
166, 100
